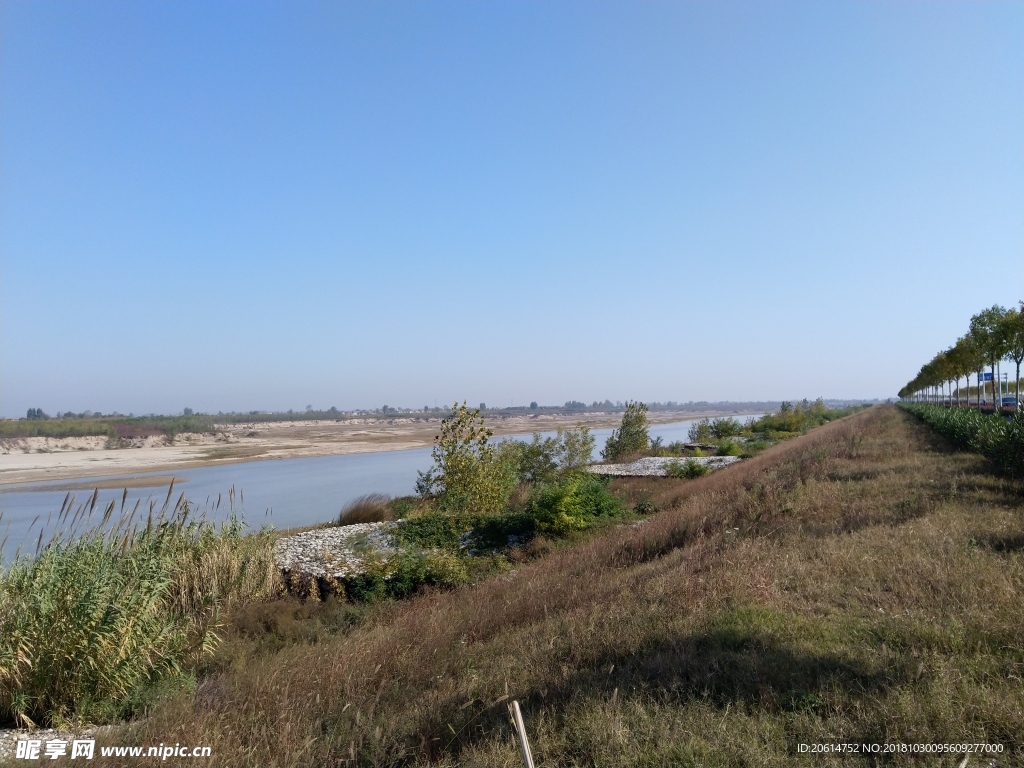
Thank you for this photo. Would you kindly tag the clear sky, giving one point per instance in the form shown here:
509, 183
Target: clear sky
264, 205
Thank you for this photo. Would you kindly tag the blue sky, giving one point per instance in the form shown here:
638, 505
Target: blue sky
264, 205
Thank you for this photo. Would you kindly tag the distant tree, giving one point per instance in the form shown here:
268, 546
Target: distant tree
533, 405
483, 406
36, 414
575, 406
332, 410
631, 436
188, 412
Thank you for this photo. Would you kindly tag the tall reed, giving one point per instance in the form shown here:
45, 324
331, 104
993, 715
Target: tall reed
98, 615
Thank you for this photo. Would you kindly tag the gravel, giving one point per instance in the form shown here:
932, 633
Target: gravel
657, 466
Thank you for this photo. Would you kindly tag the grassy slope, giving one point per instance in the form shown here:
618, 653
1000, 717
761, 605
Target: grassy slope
861, 583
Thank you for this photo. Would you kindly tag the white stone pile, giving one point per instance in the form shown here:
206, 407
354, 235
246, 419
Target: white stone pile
657, 466
334, 553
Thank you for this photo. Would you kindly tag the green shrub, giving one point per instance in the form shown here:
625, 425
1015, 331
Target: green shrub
571, 504
434, 530
645, 507
404, 506
687, 469
674, 469
729, 448
437, 530
400, 576
791, 421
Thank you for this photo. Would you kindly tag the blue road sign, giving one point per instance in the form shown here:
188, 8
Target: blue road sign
986, 376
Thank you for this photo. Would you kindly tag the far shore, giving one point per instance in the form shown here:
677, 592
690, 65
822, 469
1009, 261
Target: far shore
37, 460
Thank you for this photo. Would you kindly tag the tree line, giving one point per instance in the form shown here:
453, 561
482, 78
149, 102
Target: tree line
993, 335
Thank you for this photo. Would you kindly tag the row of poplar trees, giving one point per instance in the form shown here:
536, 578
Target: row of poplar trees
995, 334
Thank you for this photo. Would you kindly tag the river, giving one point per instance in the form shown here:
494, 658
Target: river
285, 493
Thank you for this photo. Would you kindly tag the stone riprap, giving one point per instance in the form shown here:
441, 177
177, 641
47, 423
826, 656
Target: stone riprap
657, 466
333, 553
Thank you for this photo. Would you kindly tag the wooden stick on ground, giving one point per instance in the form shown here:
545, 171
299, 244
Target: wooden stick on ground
520, 729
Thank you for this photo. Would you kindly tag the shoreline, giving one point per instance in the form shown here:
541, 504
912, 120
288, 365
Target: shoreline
78, 459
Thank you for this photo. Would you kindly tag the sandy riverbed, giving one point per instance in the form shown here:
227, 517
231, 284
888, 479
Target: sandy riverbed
29, 460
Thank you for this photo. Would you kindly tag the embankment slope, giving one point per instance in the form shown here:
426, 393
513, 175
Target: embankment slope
860, 584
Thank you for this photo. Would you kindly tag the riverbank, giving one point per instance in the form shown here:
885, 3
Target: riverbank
39, 459
860, 582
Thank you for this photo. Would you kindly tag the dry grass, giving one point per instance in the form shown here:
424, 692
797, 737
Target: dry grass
372, 508
860, 583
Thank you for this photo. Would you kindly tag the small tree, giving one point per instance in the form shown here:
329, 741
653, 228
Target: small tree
468, 473
631, 436
987, 328
1013, 333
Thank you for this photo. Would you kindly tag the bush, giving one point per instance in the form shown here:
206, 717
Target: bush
437, 530
729, 448
572, 504
632, 436
404, 506
401, 576
790, 421
645, 507
688, 469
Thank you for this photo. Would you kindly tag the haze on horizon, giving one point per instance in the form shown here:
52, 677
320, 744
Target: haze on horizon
261, 206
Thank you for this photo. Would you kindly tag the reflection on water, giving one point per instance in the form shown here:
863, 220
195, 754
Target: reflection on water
285, 493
